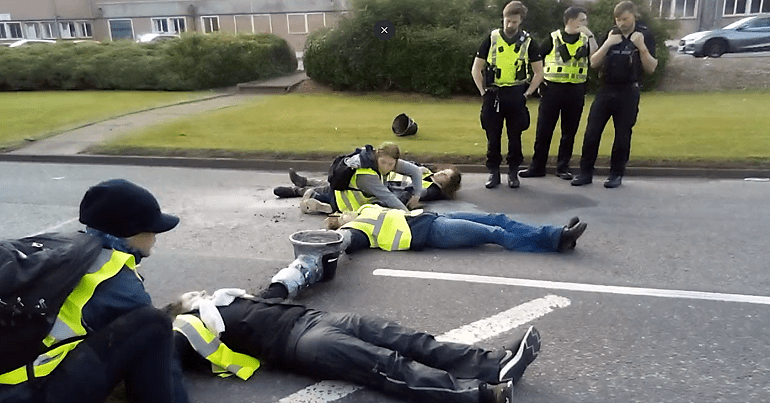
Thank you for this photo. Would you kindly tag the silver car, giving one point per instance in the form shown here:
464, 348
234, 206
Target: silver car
750, 34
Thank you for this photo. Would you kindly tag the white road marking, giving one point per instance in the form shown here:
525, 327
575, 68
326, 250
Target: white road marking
555, 285
328, 391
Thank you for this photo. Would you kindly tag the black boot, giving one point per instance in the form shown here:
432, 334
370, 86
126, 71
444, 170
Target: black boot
569, 236
286, 192
513, 178
493, 180
297, 179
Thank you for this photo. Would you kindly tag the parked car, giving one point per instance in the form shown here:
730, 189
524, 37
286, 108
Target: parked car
155, 37
750, 34
30, 42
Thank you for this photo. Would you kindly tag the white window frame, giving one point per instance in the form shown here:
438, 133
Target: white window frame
288, 24
32, 30
131, 22
205, 26
322, 14
83, 27
747, 10
8, 32
172, 26
47, 30
68, 29
251, 18
670, 12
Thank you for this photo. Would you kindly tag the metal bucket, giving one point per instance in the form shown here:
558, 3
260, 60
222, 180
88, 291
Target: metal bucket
404, 126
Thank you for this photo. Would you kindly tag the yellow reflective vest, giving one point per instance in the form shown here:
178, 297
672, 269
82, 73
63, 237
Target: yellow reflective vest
386, 228
511, 59
404, 180
224, 362
558, 70
353, 198
69, 320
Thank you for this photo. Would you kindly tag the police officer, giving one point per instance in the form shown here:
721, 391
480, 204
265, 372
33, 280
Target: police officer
500, 71
628, 51
566, 55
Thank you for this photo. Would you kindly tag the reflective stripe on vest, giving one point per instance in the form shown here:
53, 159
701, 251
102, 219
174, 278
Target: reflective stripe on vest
512, 64
353, 198
208, 345
69, 320
558, 70
386, 228
400, 180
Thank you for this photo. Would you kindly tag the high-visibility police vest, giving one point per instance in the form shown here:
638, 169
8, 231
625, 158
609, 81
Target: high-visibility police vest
404, 180
353, 198
386, 228
558, 70
224, 362
69, 321
512, 60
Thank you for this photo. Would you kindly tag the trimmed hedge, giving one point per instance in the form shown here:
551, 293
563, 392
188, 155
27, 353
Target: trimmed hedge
193, 62
435, 42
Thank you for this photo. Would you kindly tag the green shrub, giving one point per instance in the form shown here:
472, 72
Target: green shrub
193, 62
435, 42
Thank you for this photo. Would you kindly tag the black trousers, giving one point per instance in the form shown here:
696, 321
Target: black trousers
558, 99
385, 356
135, 348
504, 105
621, 103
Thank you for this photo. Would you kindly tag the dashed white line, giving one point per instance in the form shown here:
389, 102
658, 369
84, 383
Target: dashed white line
555, 285
328, 391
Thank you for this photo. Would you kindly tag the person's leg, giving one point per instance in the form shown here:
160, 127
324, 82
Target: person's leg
571, 111
547, 116
624, 120
328, 350
135, 348
492, 123
598, 117
516, 121
458, 230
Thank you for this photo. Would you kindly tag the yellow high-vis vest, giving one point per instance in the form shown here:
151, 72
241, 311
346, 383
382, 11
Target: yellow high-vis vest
353, 198
558, 70
512, 62
404, 180
386, 228
225, 362
69, 321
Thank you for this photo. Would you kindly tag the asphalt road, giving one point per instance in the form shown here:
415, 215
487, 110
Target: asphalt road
645, 340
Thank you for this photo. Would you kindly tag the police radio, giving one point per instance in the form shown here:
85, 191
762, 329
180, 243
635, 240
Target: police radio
491, 72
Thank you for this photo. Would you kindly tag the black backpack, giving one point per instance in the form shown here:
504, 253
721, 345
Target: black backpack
37, 274
340, 174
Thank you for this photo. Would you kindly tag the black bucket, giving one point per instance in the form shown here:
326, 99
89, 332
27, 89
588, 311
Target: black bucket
404, 125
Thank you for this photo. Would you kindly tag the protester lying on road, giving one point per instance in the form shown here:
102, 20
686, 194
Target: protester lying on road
244, 331
390, 229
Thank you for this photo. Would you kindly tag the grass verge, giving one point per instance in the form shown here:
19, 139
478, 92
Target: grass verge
36, 115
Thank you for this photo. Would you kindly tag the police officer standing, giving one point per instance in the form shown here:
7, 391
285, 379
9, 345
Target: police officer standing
566, 55
628, 51
500, 71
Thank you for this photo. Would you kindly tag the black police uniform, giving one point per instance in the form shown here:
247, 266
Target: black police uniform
505, 105
565, 99
617, 98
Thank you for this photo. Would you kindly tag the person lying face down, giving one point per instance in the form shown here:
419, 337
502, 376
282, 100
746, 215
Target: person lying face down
239, 332
374, 226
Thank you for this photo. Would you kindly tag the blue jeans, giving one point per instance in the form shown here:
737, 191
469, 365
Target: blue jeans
461, 230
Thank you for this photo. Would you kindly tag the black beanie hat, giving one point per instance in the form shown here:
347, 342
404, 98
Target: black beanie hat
123, 209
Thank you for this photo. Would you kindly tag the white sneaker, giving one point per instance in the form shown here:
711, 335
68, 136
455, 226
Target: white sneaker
313, 206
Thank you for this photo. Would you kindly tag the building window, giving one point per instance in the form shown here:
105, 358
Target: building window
47, 30
743, 7
210, 24
121, 29
67, 30
673, 9
32, 30
11, 30
168, 25
297, 23
85, 29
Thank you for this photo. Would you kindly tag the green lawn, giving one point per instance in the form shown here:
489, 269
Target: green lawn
35, 115
682, 127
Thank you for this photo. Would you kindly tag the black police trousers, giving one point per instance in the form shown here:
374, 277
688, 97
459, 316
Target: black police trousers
388, 357
135, 348
504, 105
621, 103
558, 99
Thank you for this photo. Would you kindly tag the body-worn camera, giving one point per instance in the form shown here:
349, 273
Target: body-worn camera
490, 73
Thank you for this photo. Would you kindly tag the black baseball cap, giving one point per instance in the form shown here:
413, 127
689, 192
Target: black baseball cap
123, 209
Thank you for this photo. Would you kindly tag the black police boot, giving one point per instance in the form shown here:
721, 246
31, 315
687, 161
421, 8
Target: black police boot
513, 178
493, 180
531, 173
288, 191
582, 179
297, 179
613, 181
